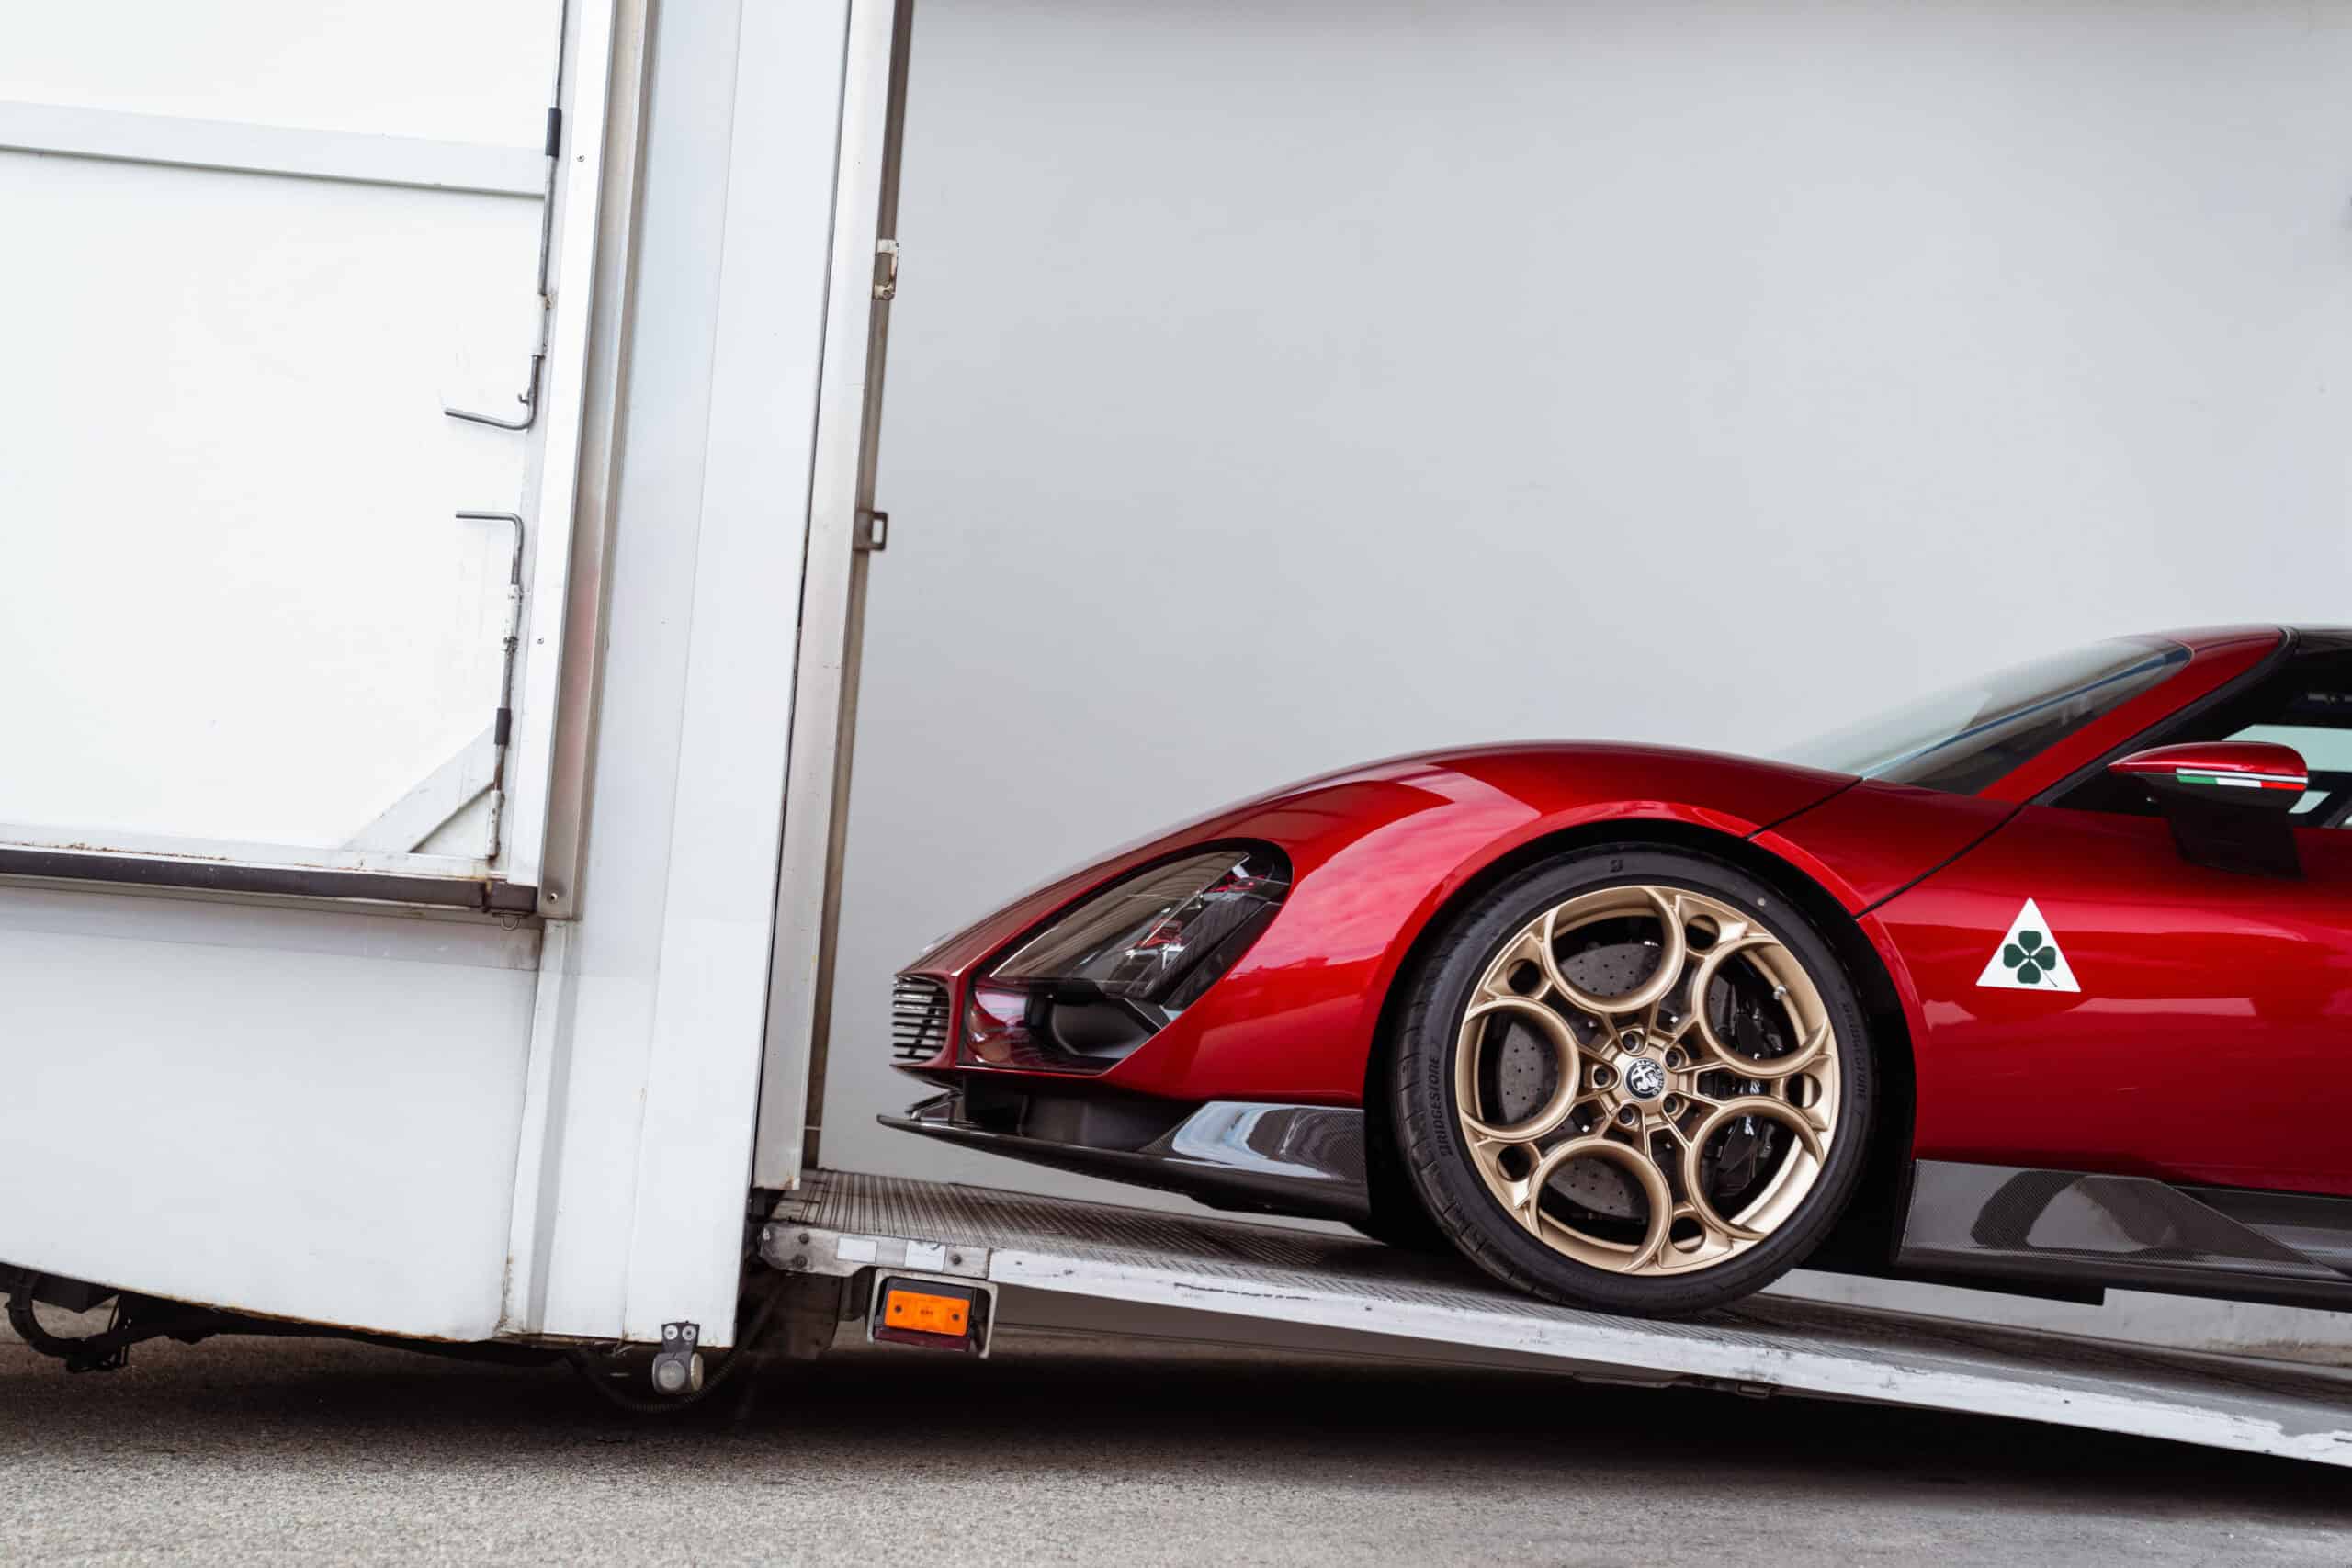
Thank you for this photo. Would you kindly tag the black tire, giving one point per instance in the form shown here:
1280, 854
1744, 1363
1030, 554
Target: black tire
1397, 1218
1424, 1114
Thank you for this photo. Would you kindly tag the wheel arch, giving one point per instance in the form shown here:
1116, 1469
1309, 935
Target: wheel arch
1864, 1239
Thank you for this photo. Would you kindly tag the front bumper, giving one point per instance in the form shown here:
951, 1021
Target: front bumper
1302, 1160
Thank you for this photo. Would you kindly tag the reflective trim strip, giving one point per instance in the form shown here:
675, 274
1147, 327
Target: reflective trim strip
2241, 781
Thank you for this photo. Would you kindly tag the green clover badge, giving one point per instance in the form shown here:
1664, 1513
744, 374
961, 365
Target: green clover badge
2029, 957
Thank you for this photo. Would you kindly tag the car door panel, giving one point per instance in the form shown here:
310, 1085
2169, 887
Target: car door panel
2205, 1042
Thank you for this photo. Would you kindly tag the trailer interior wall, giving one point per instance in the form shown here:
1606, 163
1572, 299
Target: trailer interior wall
1281, 386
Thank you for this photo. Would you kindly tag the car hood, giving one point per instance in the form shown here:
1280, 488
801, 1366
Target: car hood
1421, 824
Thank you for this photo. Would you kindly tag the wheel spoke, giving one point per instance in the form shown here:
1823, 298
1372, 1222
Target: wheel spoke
1809, 1142
1813, 1115
1816, 1041
1545, 933
1669, 1018
1716, 1239
1697, 1096
1673, 1129
1635, 1163
1568, 1066
1525, 948
1519, 1199
1771, 1110
1666, 905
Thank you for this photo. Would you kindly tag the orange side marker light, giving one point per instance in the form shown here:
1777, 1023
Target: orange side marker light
926, 1314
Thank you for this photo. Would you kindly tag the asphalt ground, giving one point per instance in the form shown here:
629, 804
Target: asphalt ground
1055, 1451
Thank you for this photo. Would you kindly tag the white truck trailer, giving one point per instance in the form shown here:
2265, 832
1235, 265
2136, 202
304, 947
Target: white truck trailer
436, 517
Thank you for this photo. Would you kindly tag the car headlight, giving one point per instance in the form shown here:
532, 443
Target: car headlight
1111, 971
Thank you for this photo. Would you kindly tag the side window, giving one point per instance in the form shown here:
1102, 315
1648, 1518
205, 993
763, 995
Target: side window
2307, 703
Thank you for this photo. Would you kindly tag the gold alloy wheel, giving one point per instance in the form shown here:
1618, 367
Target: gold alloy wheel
1639, 1081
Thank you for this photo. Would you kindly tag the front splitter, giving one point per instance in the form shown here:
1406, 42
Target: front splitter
1247, 1157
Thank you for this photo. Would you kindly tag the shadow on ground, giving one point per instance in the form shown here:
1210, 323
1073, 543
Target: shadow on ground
1060, 1450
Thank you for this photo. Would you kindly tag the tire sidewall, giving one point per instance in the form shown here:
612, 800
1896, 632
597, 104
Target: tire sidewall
1426, 1108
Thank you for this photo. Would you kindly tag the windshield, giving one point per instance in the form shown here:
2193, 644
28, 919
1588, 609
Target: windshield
1964, 738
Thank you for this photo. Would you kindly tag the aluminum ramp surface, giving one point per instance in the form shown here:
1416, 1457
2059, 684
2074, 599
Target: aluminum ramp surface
1138, 1265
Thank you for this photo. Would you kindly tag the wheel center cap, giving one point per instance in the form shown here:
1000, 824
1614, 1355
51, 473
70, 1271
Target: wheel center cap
1644, 1079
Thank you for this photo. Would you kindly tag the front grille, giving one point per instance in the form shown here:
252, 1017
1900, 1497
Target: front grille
918, 1020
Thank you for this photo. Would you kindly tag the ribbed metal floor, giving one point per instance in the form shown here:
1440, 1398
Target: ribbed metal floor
1242, 1271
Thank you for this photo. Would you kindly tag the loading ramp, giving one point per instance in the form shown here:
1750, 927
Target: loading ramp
1095, 1267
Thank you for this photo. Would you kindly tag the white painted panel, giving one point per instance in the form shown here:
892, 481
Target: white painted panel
237, 602
601, 1015
295, 1112
460, 69
710, 1012
710, 1024
113, 134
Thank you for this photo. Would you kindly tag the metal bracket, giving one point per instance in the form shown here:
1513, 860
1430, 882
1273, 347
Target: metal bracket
873, 535
503, 723
677, 1366
529, 396
885, 269
812, 1250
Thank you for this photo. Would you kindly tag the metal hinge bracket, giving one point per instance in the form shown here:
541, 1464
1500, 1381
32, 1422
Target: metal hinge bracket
529, 396
872, 533
812, 1250
503, 721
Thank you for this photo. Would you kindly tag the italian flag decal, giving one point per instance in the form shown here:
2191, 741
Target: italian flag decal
2241, 781
2028, 958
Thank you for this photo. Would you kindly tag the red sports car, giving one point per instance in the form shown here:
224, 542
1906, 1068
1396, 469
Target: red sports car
2043, 984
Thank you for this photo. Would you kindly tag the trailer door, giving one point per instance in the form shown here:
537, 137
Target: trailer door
844, 529
289, 409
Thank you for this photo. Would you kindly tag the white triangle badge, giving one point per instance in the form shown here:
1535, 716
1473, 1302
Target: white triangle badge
2028, 958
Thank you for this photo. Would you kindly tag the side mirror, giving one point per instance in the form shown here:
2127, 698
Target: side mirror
2227, 801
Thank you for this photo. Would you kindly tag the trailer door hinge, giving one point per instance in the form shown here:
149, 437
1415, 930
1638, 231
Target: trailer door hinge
885, 269
873, 534
529, 396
